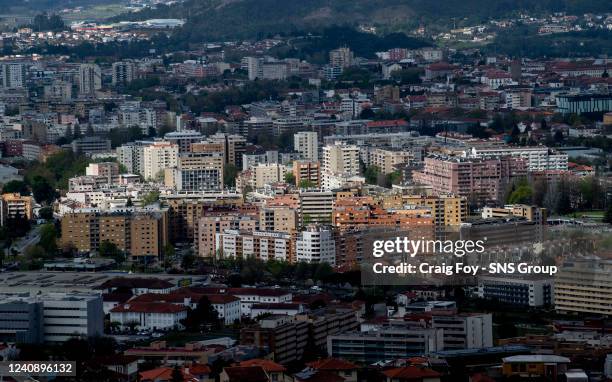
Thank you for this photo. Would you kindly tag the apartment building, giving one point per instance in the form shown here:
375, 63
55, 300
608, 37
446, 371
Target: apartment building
23, 319
384, 344
388, 161
184, 139
316, 206
233, 146
342, 57
465, 331
90, 79
209, 226
123, 72
131, 155
537, 158
339, 159
502, 232
278, 219
157, 157
268, 173
525, 291
149, 315
584, 286
307, 173
141, 234
15, 205
479, 179
316, 245
108, 170
531, 213
447, 210
257, 244
307, 144
285, 337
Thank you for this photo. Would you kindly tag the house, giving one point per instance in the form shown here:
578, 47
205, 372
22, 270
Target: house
244, 374
312, 375
412, 374
345, 369
549, 367
149, 315
164, 374
276, 372
124, 367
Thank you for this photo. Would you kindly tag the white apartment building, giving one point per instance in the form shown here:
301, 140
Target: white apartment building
13, 75
529, 291
466, 331
90, 79
250, 296
268, 173
256, 244
70, 315
131, 155
227, 307
306, 143
316, 245
339, 159
537, 158
159, 156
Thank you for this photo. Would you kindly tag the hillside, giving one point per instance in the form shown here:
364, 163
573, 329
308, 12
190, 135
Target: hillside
215, 19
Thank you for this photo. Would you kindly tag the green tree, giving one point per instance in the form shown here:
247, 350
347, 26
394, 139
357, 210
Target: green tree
229, 175
46, 213
110, 250
305, 183
16, 186
203, 314
608, 215
521, 195
48, 238
42, 190
150, 198
371, 174
289, 178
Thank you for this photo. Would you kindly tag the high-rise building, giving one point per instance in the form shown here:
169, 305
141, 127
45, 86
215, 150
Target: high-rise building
15, 205
13, 75
316, 245
233, 146
307, 174
158, 157
286, 337
90, 79
340, 159
123, 73
131, 155
278, 219
235, 244
341, 57
58, 90
184, 139
209, 226
306, 143
465, 331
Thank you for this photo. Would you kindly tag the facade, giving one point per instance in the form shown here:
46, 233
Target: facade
149, 315
584, 287
537, 158
210, 226
341, 57
316, 245
389, 161
480, 179
447, 210
278, 219
339, 159
268, 173
584, 103
22, 319
307, 173
13, 75
257, 244
316, 206
15, 205
465, 331
384, 344
141, 234
533, 292
307, 144
72, 315
531, 213
284, 336
90, 79
157, 157
123, 72
131, 155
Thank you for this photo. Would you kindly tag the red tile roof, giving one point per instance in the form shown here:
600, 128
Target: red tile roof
165, 374
268, 365
246, 374
411, 373
332, 364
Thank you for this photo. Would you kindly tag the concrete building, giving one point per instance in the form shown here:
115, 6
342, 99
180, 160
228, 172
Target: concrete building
278, 219
447, 210
90, 79
389, 161
257, 244
72, 315
91, 145
58, 91
316, 245
209, 226
108, 170
465, 331
531, 213
527, 291
342, 57
141, 234
339, 160
123, 72
131, 155
13, 75
479, 179
183, 139
307, 144
265, 174
502, 232
149, 315
307, 174
584, 286
316, 206
233, 147
157, 157
384, 344
284, 336
15, 205
537, 158
22, 319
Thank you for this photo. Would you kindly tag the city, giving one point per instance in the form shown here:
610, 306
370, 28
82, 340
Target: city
301, 193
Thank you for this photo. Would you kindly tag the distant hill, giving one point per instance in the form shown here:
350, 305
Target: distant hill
215, 19
39, 6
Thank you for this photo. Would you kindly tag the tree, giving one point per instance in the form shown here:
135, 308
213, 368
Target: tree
16, 186
371, 174
188, 261
43, 191
305, 183
289, 178
521, 195
150, 198
176, 375
229, 175
48, 238
110, 250
203, 314
46, 213
608, 215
